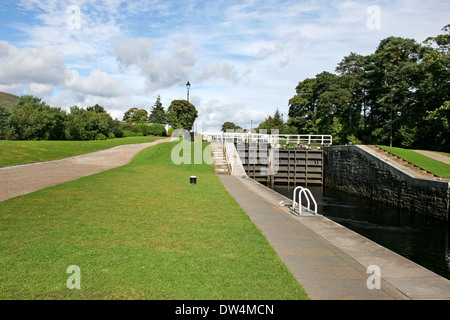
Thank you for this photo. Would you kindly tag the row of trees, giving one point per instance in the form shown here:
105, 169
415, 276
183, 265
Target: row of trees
401, 90
179, 115
33, 119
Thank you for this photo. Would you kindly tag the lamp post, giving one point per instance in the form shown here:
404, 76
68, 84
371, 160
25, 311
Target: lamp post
391, 126
188, 87
392, 111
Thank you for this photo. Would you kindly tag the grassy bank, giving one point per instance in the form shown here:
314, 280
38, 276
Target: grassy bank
438, 168
138, 232
21, 152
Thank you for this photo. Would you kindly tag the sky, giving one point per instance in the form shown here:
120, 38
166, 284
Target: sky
243, 59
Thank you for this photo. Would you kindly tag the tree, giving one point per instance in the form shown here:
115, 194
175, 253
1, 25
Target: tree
273, 123
97, 109
230, 126
436, 131
302, 108
266, 125
158, 114
394, 85
304, 101
127, 115
90, 124
76, 123
135, 115
4, 122
351, 71
441, 42
317, 103
180, 115
33, 119
333, 100
435, 88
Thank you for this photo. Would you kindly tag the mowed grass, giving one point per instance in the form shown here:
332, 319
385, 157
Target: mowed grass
141, 231
437, 167
22, 152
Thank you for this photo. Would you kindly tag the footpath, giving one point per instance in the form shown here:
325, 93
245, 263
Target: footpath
330, 261
435, 155
27, 178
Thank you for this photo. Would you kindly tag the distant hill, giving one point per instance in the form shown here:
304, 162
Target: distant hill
8, 100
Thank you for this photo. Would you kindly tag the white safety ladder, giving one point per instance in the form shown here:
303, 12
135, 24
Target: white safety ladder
304, 210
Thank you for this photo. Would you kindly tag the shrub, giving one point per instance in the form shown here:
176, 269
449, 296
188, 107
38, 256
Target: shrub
157, 129
100, 136
131, 127
354, 140
145, 129
127, 133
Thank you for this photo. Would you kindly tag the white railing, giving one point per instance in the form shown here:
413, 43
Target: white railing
309, 198
322, 140
277, 139
233, 159
230, 156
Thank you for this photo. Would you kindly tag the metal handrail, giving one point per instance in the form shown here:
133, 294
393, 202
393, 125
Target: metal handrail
322, 140
309, 197
229, 156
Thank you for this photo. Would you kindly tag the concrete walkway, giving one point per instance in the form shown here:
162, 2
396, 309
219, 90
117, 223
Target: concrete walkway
435, 155
329, 260
23, 179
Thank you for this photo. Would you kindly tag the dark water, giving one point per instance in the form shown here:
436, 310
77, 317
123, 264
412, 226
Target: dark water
420, 239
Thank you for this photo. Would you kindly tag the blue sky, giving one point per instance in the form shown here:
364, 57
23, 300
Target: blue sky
243, 58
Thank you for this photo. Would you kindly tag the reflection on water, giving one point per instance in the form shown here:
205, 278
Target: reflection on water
418, 238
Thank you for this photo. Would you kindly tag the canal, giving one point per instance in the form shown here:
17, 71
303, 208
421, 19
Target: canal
420, 239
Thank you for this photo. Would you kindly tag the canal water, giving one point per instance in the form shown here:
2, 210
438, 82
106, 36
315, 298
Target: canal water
421, 239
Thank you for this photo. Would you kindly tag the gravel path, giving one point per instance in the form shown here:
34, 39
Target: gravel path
435, 155
23, 179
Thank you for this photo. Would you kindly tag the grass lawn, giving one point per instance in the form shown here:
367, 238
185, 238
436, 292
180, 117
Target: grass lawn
21, 152
438, 168
140, 231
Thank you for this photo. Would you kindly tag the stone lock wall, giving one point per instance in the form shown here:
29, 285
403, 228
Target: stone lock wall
350, 169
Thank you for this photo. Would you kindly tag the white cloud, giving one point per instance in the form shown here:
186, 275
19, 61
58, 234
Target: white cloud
42, 70
160, 69
217, 70
41, 65
169, 62
98, 83
214, 113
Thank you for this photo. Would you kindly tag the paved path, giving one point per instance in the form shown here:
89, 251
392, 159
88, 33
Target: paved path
23, 179
435, 155
329, 260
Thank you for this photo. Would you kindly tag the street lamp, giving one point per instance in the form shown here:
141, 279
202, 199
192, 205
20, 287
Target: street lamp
188, 87
391, 126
